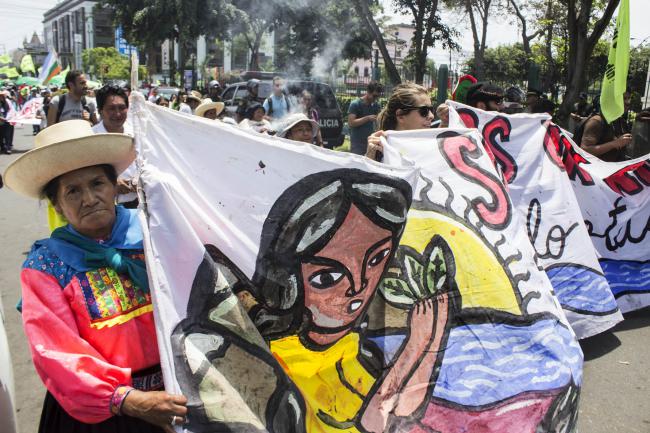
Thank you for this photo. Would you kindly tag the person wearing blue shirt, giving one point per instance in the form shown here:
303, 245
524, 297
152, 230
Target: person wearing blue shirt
362, 115
277, 105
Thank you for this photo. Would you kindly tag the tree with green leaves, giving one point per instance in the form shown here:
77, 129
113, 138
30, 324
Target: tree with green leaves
429, 29
108, 64
366, 11
479, 13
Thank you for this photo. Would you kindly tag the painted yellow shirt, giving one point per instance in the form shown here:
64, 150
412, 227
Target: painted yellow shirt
332, 382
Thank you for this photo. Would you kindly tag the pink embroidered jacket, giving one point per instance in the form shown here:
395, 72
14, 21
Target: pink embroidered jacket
88, 331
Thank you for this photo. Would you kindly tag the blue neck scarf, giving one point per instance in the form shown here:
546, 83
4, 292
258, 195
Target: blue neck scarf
84, 254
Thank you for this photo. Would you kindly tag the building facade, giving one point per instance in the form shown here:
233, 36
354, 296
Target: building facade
398, 43
75, 25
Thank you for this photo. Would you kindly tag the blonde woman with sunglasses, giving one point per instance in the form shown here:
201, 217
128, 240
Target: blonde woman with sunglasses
409, 107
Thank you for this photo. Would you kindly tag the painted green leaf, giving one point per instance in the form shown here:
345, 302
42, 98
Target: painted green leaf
414, 275
396, 291
436, 272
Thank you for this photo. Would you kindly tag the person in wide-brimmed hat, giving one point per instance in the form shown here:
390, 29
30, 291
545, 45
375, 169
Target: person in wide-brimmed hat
86, 305
209, 109
299, 127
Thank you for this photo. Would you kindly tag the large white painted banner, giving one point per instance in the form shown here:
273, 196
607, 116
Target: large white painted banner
539, 161
298, 289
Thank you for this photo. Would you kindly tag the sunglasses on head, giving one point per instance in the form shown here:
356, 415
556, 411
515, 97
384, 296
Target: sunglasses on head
423, 110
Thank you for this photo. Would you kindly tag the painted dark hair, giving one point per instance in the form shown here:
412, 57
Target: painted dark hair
302, 221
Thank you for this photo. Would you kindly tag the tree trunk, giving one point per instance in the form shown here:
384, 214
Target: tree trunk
581, 46
478, 58
366, 15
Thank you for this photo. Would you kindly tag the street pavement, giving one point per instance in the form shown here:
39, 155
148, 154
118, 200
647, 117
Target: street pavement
616, 388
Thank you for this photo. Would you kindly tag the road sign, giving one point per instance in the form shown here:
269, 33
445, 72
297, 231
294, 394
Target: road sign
121, 44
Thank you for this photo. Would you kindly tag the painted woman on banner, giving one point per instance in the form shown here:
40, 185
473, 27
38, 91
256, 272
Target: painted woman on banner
325, 246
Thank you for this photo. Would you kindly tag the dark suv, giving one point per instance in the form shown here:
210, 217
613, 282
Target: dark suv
331, 121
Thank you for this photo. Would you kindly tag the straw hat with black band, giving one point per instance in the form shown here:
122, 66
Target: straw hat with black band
65, 147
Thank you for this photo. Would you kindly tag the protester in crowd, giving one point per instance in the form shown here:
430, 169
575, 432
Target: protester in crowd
582, 108
605, 140
113, 105
6, 129
214, 91
252, 88
33, 94
485, 96
162, 101
174, 102
409, 107
153, 95
182, 103
209, 109
513, 100
255, 119
309, 108
99, 360
277, 104
42, 112
72, 105
543, 105
189, 105
442, 116
533, 96
362, 115
299, 127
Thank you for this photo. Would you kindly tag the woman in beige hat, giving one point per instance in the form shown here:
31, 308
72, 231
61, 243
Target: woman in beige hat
299, 127
86, 305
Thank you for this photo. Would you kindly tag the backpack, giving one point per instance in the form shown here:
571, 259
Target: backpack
270, 101
84, 106
580, 130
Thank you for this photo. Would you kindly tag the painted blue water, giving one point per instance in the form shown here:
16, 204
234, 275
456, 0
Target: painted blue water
581, 289
487, 363
626, 276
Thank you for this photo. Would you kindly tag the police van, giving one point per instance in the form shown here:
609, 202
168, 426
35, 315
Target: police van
331, 121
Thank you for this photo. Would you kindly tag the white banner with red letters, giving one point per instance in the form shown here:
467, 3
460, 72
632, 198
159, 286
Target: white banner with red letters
570, 197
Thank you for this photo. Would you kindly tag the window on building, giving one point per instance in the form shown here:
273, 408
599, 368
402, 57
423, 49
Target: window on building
365, 72
356, 70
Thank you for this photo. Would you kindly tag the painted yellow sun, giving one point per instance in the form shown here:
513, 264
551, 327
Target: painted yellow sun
481, 279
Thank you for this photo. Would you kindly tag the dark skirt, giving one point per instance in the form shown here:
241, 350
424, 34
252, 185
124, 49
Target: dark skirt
54, 419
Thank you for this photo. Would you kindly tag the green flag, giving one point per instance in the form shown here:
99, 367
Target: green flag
5, 59
615, 80
27, 64
9, 72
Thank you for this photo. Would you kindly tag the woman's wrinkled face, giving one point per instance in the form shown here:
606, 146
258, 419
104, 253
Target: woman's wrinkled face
408, 120
302, 131
86, 198
341, 279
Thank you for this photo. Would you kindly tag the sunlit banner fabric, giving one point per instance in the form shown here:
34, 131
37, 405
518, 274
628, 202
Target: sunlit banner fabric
539, 160
298, 289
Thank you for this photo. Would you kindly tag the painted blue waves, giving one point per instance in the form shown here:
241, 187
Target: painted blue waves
627, 277
582, 289
487, 363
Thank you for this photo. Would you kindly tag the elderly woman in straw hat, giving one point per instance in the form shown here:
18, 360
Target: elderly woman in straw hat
86, 305
209, 109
